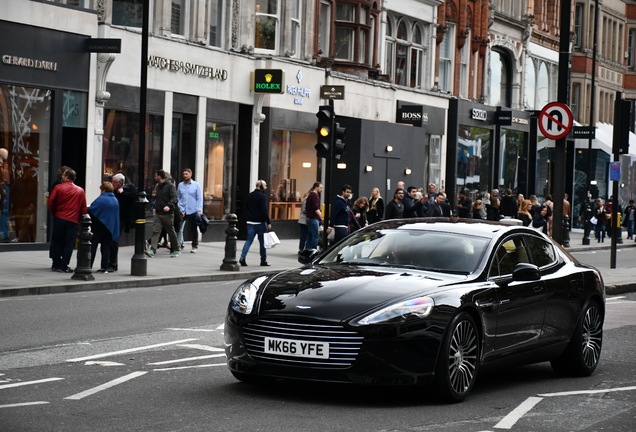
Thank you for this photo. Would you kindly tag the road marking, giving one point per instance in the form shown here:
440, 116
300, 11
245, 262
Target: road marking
107, 385
187, 359
189, 367
143, 348
509, 421
191, 329
102, 363
25, 383
221, 327
203, 347
581, 392
23, 404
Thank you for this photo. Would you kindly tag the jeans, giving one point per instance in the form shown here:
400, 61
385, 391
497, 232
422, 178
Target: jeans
304, 234
191, 219
312, 228
253, 231
630, 228
341, 232
63, 239
103, 238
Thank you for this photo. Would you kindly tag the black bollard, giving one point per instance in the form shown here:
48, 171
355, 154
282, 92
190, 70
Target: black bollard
586, 220
138, 262
618, 228
83, 270
566, 231
229, 262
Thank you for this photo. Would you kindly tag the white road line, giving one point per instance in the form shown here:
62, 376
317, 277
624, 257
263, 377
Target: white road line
143, 348
108, 385
203, 347
582, 392
24, 383
509, 421
615, 298
15, 405
189, 367
187, 359
221, 327
192, 330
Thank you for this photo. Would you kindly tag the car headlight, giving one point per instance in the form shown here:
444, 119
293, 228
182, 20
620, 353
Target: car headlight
420, 307
245, 296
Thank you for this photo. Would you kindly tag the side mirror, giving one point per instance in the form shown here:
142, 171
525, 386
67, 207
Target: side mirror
306, 256
526, 272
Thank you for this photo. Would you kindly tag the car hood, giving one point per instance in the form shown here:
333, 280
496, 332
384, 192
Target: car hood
342, 292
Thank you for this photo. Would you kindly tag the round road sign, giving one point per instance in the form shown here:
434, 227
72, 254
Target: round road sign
555, 120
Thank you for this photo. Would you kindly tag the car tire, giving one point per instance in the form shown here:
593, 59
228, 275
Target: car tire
582, 355
458, 360
252, 379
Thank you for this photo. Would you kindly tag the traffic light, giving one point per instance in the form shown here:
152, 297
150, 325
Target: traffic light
338, 144
325, 131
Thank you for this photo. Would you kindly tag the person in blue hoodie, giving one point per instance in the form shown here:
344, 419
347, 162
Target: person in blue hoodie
104, 212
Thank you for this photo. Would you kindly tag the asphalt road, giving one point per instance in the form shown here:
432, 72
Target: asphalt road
625, 258
151, 359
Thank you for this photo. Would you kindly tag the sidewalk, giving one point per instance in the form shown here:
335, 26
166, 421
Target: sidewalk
29, 272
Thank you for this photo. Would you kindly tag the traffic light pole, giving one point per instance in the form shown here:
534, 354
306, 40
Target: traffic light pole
328, 190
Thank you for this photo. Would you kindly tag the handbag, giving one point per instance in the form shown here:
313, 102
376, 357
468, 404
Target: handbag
270, 239
608, 216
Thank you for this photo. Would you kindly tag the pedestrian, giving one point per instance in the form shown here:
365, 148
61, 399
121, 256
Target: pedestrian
60, 173
535, 204
601, 214
395, 208
440, 208
105, 220
524, 214
314, 215
191, 206
165, 203
376, 207
302, 222
476, 208
540, 219
412, 206
464, 203
67, 203
126, 195
628, 219
550, 203
341, 215
5, 178
493, 212
360, 210
258, 222
520, 199
508, 204
486, 201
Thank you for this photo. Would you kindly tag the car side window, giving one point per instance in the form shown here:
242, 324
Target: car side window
542, 251
509, 254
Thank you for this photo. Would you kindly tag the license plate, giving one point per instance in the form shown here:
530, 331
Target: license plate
297, 348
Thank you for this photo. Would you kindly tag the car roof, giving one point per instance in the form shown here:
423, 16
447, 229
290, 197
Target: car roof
473, 227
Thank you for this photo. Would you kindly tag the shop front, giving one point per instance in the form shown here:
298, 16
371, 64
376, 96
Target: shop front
44, 87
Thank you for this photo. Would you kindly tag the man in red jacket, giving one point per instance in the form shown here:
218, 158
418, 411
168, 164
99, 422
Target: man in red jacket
67, 203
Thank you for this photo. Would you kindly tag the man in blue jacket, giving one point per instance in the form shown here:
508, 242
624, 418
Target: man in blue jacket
258, 222
340, 214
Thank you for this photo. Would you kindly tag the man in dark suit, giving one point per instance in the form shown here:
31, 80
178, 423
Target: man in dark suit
440, 208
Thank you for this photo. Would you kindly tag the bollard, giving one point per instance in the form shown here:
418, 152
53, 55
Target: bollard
566, 231
83, 270
618, 228
138, 262
229, 262
586, 220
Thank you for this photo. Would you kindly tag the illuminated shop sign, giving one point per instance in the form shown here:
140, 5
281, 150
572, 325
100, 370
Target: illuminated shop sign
29, 63
478, 114
268, 81
297, 91
412, 114
187, 68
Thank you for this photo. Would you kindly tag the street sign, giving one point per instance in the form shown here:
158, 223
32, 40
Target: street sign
332, 92
555, 120
615, 171
584, 132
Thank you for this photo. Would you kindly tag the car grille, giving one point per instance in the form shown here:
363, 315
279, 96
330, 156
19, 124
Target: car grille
344, 345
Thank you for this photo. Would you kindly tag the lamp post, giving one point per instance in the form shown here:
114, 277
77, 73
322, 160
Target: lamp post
139, 264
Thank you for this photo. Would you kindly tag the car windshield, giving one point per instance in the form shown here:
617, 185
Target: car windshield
403, 248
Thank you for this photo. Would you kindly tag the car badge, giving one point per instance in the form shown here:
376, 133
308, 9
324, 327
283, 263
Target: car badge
303, 307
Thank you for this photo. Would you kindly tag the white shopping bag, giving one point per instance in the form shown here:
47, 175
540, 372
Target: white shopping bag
271, 239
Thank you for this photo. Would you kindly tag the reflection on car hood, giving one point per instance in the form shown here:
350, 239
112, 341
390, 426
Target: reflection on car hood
341, 292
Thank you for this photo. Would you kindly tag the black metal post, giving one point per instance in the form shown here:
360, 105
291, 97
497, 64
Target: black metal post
566, 230
229, 261
590, 168
83, 270
329, 190
139, 265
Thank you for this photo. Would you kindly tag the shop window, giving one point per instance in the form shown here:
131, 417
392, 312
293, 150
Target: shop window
435, 161
445, 78
219, 145
473, 159
216, 22
128, 13
267, 25
511, 154
121, 146
179, 17
293, 172
25, 134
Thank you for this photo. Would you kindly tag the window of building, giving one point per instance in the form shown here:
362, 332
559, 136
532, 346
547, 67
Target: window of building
575, 104
543, 86
405, 53
631, 45
216, 22
293, 172
345, 34
446, 60
578, 25
121, 146
179, 17
354, 32
127, 13
435, 161
267, 25
531, 84
325, 28
500, 73
511, 152
296, 11
464, 75
219, 145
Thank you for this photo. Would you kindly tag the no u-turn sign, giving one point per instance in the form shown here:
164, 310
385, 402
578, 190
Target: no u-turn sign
555, 120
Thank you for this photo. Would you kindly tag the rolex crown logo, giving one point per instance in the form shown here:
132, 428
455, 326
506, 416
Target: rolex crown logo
268, 77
